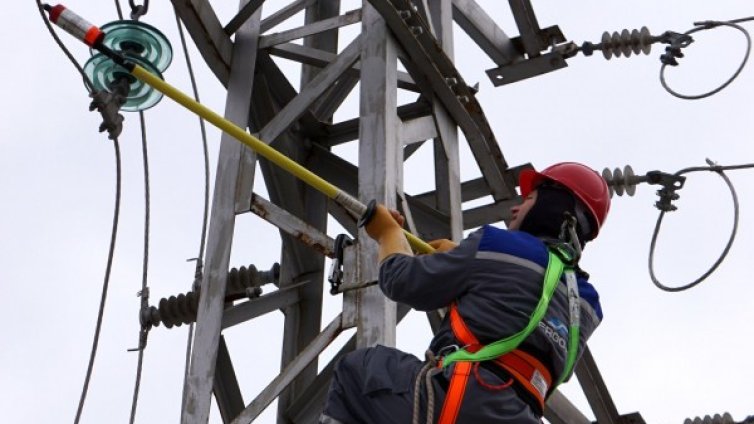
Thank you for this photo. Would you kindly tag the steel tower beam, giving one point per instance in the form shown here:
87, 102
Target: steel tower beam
485, 32
210, 37
200, 380
433, 69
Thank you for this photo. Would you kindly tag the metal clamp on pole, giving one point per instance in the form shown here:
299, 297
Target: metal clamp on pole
335, 276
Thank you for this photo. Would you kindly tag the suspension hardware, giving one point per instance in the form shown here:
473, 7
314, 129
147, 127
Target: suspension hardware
108, 104
625, 181
627, 42
675, 42
243, 282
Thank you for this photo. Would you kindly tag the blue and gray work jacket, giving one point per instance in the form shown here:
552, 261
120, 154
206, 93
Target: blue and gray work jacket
495, 276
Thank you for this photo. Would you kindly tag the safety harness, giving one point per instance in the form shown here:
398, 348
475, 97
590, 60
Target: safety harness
524, 368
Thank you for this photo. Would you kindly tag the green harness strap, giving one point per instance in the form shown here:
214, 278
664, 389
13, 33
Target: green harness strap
555, 268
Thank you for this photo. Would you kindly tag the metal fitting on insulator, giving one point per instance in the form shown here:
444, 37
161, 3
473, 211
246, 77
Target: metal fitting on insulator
138, 10
108, 104
716, 419
622, 43
670, 183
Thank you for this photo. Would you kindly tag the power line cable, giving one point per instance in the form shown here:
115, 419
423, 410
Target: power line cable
106, 282
702, 26
144, 293
119, 10
116, 214
720, 171
203, 236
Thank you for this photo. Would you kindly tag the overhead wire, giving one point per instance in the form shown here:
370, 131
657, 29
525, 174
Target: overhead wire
144, 293
119, 10
707, 25
98, 327
136, 13
113, 235
203, 235
720, 171
108, 269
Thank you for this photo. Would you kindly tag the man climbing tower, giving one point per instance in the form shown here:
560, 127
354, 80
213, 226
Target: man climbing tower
520, 311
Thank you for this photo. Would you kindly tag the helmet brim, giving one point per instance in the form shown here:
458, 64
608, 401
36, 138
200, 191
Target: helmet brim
528, 180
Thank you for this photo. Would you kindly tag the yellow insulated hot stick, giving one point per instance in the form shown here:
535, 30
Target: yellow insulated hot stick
92, 36
264, 150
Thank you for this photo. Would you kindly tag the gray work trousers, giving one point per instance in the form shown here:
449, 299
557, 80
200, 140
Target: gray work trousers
376, 386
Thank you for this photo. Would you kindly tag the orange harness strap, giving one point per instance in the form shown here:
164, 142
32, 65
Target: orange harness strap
526, 369
456, 390
460, 330
529, 372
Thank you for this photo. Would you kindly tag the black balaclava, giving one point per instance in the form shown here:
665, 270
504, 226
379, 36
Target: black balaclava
545, 218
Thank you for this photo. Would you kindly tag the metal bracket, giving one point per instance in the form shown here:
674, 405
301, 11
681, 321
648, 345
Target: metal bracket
526, 69
532, 41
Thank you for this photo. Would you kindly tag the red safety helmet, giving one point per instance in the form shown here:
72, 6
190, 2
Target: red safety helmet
585, 183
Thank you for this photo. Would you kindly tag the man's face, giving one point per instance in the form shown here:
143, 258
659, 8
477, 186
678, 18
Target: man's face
518, 212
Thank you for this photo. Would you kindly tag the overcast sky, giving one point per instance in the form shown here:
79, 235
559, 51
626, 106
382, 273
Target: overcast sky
668, 356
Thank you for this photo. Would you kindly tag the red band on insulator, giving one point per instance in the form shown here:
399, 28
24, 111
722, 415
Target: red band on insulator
93, 35
55, 12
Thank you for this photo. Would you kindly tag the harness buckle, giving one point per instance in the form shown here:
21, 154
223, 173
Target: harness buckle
447, 349
565, 251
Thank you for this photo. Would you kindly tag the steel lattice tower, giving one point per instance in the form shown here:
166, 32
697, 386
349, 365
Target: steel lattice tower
418, 34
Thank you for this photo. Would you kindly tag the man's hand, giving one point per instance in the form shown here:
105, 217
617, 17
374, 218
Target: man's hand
386, 227
442, 245
384, 221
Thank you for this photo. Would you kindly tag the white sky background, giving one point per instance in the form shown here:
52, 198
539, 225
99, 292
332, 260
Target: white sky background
668, 356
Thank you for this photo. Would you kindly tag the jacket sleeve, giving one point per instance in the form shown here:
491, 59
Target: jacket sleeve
428, 282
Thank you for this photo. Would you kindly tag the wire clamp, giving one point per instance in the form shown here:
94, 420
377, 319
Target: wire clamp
335, 276
676, 42
198, 274
670, 183
108, 104
144, 319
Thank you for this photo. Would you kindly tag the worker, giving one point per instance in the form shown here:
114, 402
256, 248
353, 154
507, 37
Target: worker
492, 282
